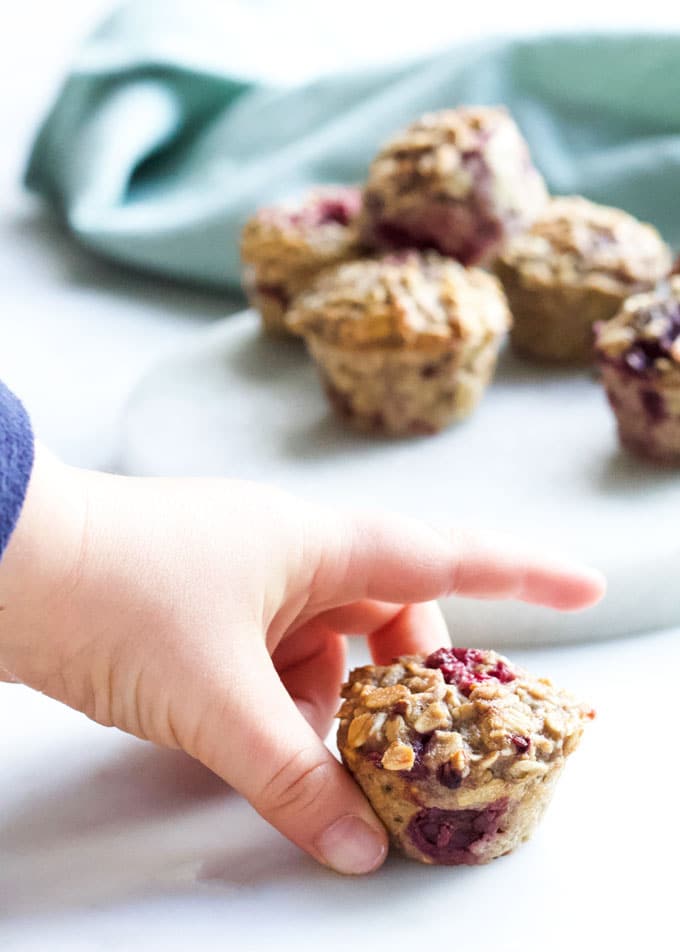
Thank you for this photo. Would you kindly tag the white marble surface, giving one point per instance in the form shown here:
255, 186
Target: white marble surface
106, 843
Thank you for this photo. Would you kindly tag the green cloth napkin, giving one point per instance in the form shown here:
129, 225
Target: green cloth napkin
171, 129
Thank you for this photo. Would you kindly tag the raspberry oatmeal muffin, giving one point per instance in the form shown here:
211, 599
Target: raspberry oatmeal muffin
574, 267
405, 344
458, 752
284, 247
638, 352
459, 181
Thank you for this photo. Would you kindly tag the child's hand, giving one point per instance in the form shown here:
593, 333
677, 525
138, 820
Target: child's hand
207, 615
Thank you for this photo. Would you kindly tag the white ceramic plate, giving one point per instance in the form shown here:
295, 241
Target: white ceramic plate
538, 458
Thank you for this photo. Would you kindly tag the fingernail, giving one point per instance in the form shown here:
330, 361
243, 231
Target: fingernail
351, 846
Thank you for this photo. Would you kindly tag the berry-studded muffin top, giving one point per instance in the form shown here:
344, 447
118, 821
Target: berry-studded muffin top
441, 152
406, 299
462, 716
321, 225
574, 239
644, 337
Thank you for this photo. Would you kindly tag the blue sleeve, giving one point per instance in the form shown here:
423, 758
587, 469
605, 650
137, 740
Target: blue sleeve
16, 461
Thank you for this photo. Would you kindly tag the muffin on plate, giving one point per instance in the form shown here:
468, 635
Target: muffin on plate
404, 344
284, 247
575, 266
638, 352
459, 181
458, 752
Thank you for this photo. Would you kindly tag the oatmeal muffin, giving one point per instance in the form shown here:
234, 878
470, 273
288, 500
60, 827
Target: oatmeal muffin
638, 352
459, 752
459, 181
284, 247
405, 344
575, 266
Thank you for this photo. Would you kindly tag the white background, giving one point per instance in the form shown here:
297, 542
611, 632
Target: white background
107, 844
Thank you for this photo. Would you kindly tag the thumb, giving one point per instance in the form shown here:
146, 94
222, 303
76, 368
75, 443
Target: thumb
273, 757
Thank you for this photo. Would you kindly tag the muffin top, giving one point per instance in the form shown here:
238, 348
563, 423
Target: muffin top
409, 299
575, 241
441, 153
322, 226
463, 715
644, 337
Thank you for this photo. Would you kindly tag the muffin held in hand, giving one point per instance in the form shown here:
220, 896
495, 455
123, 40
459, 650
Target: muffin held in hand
459, 752
405, 344
284, 247
459, 181
574, 267
638, 352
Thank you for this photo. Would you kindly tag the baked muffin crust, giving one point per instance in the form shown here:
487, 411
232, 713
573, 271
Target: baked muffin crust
404, 344
458, 751
645, 335
638, 353
413, 300
459, 181
284, 247
575, 242
574, 267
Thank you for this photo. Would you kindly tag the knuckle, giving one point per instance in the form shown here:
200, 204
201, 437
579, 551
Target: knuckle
327, 551
297, 786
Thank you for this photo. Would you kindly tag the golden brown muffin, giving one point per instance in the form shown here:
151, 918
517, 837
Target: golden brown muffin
576, 266
404, 344
638, 352
284, 247
459, 181
458, 752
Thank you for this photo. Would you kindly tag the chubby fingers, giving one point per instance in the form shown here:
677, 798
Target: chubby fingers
396, 559
391, 630
290, 777
311, 659
415, 629
258, 741
311, 664
495, 566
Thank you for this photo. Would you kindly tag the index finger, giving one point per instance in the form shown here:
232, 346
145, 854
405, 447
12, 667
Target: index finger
401, 560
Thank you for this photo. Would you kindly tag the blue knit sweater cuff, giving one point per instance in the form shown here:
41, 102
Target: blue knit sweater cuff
16, 461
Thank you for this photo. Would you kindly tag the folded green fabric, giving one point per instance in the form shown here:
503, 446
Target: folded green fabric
162, 142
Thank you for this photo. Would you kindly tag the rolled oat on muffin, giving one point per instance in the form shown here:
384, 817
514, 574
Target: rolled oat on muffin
638, 353
575, 266
404, 344
284, 247
459, 181
458, 752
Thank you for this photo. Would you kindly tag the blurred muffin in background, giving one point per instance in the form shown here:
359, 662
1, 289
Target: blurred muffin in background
638, 352
284, 247
574, 267
404, 344
459, 181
